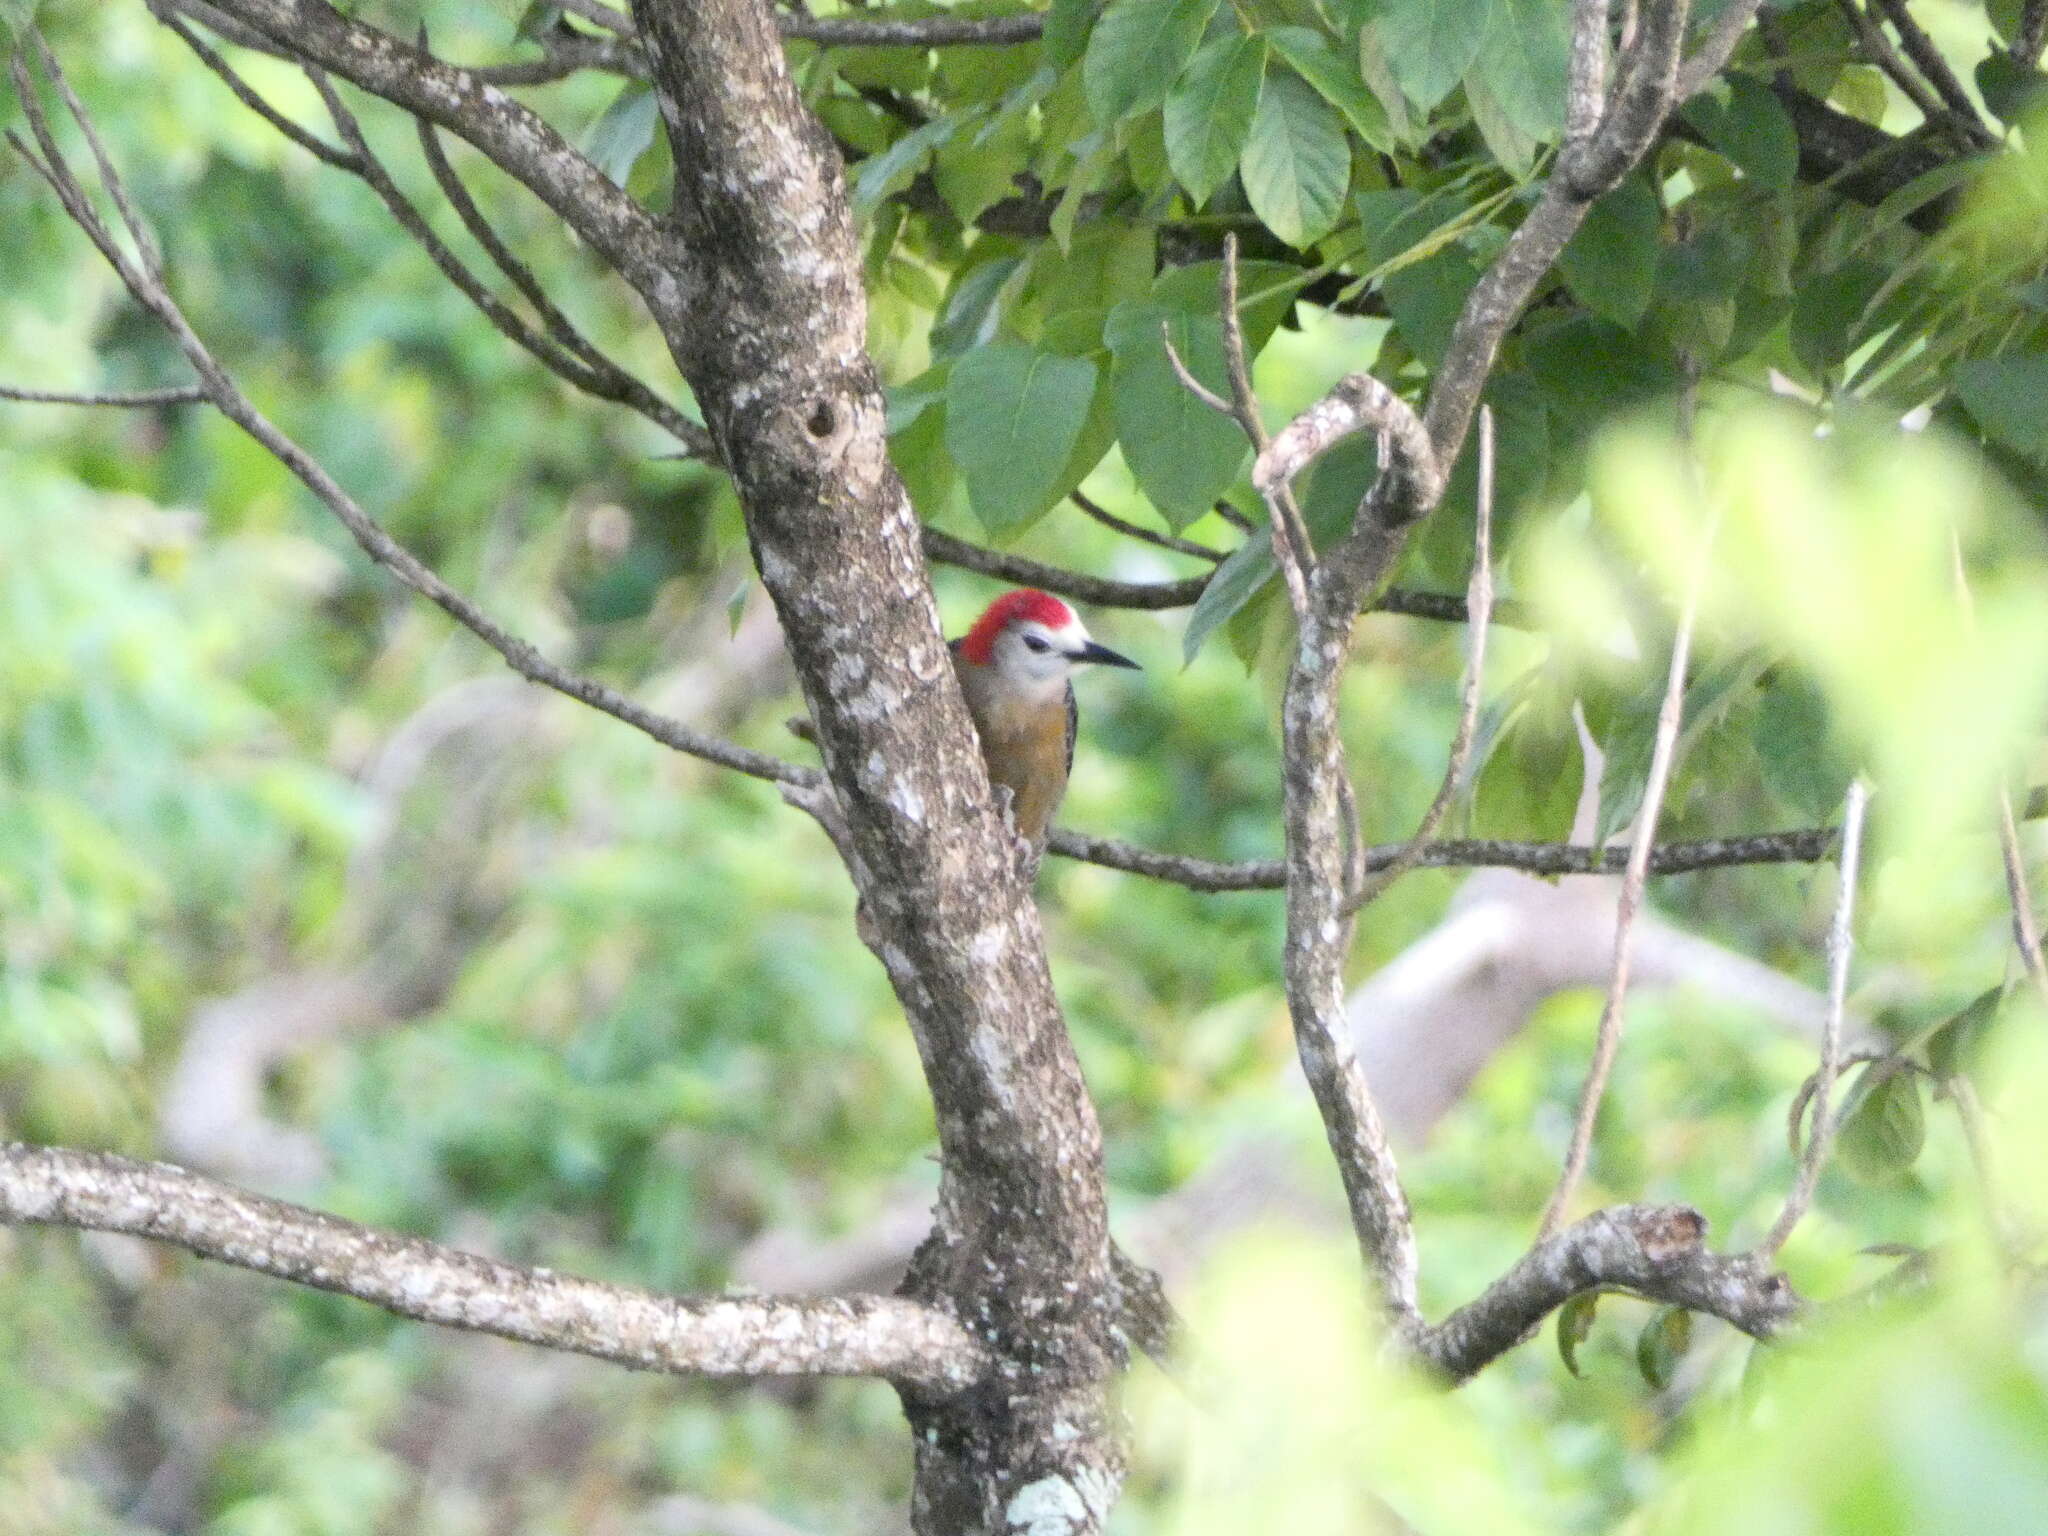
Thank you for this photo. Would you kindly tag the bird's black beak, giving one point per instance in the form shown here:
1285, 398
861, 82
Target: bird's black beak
1104, 655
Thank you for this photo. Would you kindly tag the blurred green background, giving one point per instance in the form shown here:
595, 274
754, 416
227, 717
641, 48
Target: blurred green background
298, 885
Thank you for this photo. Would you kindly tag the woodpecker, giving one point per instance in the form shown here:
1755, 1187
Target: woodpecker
1016, 667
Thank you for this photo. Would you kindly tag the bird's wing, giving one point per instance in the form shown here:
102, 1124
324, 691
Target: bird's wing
1073, 726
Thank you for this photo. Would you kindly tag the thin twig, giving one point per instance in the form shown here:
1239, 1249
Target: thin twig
606, 380
1614, 1011
1479, 603
1188, 381
1929, 61
571, 363
150, 292
1155, 596
1840, 947
2025, 927
1291, 545
1878, 49
148, 253
1977, 1142
559, 326
917, 32
1097, 591
176, 394
247, 94
1805, 845
1129, 530
2026, 930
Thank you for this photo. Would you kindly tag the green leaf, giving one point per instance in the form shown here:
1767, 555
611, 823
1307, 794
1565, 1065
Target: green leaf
535, 22
1210, 112
1744, 120
1337, 81
1827, 314
883, 175
1138, 50
1183, 454
2004, 396
1611, 264
1592, 369
1297, 163
1574, 1327
1431, 43
974, 171
1861, 92
623, 131
1794, 744
1524, 61
1514, 149
1237, 581
973, 309
1378, 76
917, 447
2010, 89
1067, 25
1631, 740
1426, 299
1662, 1344
1265, 293
1013, 417
1886, 1125
1954, 1045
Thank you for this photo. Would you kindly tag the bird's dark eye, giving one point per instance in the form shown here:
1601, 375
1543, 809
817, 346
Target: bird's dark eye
1037, 643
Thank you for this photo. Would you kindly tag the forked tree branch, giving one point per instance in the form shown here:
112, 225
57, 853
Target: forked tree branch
563, 350
515, 138
887, 1336
144, 280
1656, 1252
1927, 58
1613, 1010
1416, 455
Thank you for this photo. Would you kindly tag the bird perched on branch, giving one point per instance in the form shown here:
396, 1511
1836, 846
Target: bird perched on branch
1016, 668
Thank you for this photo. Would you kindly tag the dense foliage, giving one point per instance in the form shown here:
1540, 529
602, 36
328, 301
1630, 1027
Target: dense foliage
611, 1014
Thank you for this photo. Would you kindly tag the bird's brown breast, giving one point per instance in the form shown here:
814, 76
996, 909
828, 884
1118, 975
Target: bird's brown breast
1024, 744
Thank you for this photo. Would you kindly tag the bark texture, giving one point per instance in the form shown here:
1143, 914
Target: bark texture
767, 320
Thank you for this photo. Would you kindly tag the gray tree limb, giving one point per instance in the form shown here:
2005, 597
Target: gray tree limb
1657, 1252
906, 1341
765, 312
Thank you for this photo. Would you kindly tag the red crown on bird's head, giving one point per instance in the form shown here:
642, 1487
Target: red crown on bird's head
1017, 607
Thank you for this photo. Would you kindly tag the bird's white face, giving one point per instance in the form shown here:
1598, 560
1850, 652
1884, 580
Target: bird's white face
1038, 658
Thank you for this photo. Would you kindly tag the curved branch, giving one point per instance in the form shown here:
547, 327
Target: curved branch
1654, 1251
887, 1336
519, 141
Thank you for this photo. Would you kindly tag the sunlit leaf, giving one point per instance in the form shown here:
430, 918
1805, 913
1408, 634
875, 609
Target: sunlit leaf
1012, 418
1297, 163
1209, 113
1137, 52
